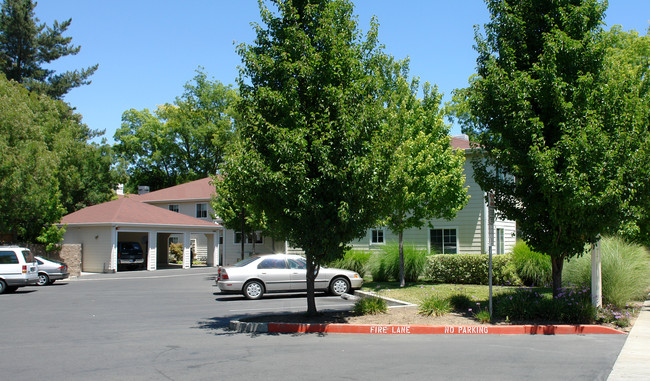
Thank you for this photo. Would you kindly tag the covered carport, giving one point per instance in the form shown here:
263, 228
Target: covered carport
99, 228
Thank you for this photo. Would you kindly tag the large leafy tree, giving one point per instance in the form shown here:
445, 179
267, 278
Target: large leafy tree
626, 104
26, 47
178, 142
537, 108
311, 155
47, 165
426, 179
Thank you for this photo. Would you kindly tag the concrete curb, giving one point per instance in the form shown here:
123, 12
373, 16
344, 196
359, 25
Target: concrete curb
254, 327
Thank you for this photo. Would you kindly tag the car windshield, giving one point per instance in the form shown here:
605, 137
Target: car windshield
246, 261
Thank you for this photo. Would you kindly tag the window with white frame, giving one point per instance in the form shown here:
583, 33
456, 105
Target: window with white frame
201, 210
444, 241
500, 241
377, 236
249, 238
173, 207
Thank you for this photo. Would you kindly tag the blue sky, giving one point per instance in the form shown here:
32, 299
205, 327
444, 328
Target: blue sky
148, 49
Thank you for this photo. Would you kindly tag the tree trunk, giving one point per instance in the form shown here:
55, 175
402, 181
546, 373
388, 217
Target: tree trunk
311, 277
556, 265
402, 282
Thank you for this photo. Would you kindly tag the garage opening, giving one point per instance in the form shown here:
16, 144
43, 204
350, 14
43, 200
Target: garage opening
132, 249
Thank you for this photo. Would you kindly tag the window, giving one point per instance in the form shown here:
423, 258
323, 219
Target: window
272, 263
443, 241
8, 257
298, 264
377, 236
500, 241
173, 207
201, 210
249, 238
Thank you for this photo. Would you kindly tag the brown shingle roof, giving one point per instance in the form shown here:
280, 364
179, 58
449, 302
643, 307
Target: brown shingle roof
128, 211
460, 143
195, 190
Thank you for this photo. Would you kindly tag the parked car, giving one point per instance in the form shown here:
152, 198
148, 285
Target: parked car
50, 271
130, 254
257, 275
18, 268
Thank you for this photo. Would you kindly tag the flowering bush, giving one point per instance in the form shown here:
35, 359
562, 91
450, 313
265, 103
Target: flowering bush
572, 305
614, 315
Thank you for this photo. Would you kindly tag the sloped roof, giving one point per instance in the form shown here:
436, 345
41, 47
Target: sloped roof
129, 211
460, 143
195, 190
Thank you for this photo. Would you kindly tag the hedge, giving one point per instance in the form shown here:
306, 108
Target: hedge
470, 269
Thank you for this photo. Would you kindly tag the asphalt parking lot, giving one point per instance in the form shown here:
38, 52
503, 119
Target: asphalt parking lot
171, 325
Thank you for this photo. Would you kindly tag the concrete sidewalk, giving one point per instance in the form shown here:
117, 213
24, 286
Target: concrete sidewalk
633, 363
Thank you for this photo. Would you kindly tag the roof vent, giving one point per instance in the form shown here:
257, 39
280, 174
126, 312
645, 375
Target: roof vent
142, 189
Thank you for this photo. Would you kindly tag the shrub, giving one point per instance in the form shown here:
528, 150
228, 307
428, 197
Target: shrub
176, 252
572, 306
470, 269
625, 271
435, 305
533, 268
483, 316
371, 305
460, 302
355, 260
384, 265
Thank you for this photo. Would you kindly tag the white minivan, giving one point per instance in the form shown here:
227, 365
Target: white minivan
18, 268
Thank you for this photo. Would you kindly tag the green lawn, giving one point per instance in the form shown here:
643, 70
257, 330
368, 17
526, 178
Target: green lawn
416, 292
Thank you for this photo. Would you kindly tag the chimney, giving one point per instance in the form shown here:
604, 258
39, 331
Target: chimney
142, 189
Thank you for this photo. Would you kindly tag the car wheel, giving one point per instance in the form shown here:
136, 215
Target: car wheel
339, 286
253, 289
3, 286
43, 279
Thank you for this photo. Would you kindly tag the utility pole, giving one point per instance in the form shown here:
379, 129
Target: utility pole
596, 276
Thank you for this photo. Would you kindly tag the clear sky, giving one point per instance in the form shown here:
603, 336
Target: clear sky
148, 49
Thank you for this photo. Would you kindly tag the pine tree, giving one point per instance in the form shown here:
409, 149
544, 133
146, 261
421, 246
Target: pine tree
26, 45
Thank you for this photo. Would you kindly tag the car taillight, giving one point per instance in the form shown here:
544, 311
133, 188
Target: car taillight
223, 275
24, 269
62, 267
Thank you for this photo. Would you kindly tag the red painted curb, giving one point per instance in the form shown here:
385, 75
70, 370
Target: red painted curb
441, 330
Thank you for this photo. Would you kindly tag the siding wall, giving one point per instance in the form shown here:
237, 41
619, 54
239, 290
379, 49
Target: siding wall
469, 224
96, 246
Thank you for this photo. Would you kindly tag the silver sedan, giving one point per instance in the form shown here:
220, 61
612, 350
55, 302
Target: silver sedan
257, 275
49, 271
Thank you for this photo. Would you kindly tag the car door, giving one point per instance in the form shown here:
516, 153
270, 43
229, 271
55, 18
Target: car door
298, 268
298, 274
275, 274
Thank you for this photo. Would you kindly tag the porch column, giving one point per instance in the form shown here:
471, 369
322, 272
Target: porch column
112, 264
152, 251
187, 250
